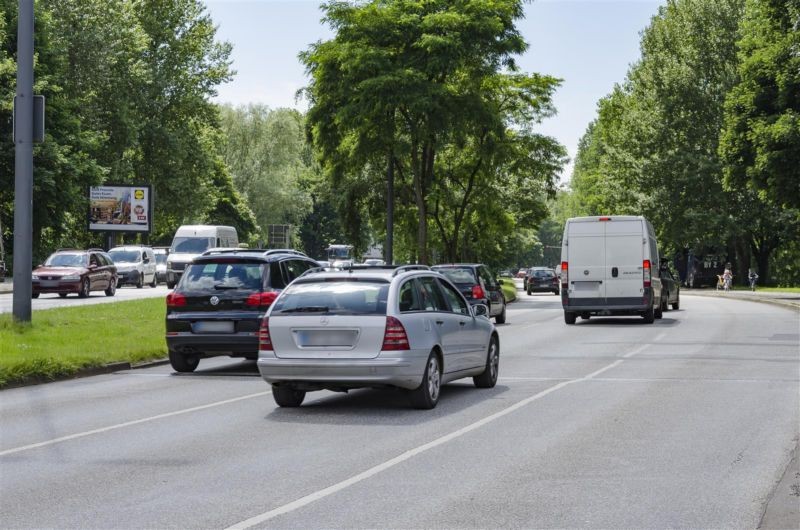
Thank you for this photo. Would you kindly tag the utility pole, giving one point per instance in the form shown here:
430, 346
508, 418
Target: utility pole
23, 169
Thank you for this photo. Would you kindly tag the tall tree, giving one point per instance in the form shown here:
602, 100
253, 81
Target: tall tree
761, 140
400, 76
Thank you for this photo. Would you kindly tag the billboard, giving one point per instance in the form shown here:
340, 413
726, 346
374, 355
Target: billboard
120, 209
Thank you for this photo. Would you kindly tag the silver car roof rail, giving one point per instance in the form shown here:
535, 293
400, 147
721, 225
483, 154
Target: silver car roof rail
406, 268
312, 270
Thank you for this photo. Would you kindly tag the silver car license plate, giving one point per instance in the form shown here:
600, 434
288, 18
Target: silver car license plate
212, 327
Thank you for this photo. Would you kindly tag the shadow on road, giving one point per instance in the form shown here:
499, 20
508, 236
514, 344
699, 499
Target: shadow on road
237, 368
624, 322
382, 406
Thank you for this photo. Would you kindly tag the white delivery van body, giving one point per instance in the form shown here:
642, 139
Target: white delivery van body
609, 266
191, 241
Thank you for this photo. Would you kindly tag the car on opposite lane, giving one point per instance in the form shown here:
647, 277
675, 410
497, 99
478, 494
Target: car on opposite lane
136, 265
408, 328
75, 271
219, 302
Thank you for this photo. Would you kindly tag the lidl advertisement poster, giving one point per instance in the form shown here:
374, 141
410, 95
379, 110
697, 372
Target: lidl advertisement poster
120, 209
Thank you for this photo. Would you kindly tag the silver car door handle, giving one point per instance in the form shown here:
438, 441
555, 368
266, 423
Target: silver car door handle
462, 323
439, 322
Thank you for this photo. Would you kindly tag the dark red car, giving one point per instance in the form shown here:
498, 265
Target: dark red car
75, 271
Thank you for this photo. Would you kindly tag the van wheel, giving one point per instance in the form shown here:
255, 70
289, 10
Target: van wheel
426, 395
140, 281
585, 316
677, 304
649, 316
570, 318
287, 396
183, 363
154, 283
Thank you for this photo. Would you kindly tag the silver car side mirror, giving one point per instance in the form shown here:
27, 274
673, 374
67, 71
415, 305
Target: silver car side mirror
480, 310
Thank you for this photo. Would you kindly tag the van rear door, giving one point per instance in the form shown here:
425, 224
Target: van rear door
587, 262
624, 257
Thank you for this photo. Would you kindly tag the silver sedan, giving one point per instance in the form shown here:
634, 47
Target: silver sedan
407, 327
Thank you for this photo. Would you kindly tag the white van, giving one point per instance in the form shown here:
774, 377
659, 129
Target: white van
136, 265
609, 266
191, 241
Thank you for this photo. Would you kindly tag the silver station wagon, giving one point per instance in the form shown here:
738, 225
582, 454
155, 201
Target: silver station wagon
406, 327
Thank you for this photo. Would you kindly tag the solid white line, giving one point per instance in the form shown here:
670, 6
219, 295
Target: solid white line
129, 423
330, 490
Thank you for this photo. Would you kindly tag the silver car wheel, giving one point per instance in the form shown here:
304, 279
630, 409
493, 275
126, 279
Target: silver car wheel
434, 380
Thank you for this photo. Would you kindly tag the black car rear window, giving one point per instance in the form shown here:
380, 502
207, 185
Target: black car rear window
333, 298
459, 274
544, 274
214, 276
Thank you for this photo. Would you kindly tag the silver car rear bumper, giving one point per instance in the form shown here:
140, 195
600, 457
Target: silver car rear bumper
401, 369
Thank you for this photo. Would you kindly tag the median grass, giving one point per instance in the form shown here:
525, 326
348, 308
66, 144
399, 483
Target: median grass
509, 289
62, 341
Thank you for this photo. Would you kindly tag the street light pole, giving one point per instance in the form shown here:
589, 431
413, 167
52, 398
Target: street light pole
23, 151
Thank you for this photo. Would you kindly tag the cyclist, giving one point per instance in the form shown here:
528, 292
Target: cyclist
753, 278
727, 277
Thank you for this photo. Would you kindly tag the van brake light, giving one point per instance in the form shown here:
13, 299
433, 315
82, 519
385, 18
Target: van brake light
647, 274
564, 274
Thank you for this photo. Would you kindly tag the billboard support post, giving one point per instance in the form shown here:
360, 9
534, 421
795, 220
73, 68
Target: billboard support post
23, 166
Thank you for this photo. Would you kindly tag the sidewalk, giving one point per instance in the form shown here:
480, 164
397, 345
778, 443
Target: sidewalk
786, 299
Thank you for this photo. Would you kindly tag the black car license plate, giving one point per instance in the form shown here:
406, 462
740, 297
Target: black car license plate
224, 326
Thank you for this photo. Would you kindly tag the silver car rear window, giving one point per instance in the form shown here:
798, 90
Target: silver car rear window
333, 298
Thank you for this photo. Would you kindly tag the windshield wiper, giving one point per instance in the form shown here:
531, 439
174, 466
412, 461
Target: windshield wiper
307, 309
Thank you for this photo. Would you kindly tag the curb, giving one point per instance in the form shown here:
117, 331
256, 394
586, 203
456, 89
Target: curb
85, 372
789, 304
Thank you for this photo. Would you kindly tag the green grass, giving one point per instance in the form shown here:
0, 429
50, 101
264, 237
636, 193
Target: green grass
768, 289
62, 341
509, 289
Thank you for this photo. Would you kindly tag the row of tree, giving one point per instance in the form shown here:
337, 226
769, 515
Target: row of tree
703, 135
128, 88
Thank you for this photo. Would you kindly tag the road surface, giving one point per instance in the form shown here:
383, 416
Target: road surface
689, 422
50, 301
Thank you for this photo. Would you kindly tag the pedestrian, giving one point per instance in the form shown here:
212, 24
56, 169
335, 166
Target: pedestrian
752, 277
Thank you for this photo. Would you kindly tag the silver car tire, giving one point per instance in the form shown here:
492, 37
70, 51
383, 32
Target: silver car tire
287, 396
489, 376
426, 395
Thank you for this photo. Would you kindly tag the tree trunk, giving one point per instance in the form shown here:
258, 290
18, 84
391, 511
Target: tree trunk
388, 253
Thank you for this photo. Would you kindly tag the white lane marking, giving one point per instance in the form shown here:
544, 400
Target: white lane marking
330, 490
129, 423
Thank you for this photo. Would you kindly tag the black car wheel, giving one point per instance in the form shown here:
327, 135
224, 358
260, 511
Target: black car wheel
501, 318
170, 285
85, 289
649, 315
34, 295
677, 303
112, 288
183, 363
62, 295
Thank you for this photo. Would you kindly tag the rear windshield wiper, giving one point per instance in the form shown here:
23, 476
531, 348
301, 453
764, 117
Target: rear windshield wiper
307, 309
223, 286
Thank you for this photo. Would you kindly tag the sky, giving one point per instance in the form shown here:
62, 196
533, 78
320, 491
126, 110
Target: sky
589, 44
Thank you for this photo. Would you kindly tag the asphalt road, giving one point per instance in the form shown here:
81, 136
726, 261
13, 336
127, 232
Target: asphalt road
689, 422
50, 301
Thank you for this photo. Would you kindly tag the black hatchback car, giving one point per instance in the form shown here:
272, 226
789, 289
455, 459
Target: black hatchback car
218, 305
478, 285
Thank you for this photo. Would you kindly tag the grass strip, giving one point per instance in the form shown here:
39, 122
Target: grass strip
62, 341
509, 289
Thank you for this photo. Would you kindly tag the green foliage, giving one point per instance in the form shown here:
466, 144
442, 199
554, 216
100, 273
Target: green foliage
430, 87
127, 87
761, 139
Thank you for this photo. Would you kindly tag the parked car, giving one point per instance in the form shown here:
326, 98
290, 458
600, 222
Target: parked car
609, 266
161, 263
478, 285
220, 300
136, 265
541, 280
670, 289
192, 240
408, 328
75, 271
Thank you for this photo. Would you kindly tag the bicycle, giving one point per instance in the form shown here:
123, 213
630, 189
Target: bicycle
753, 280
727, 283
